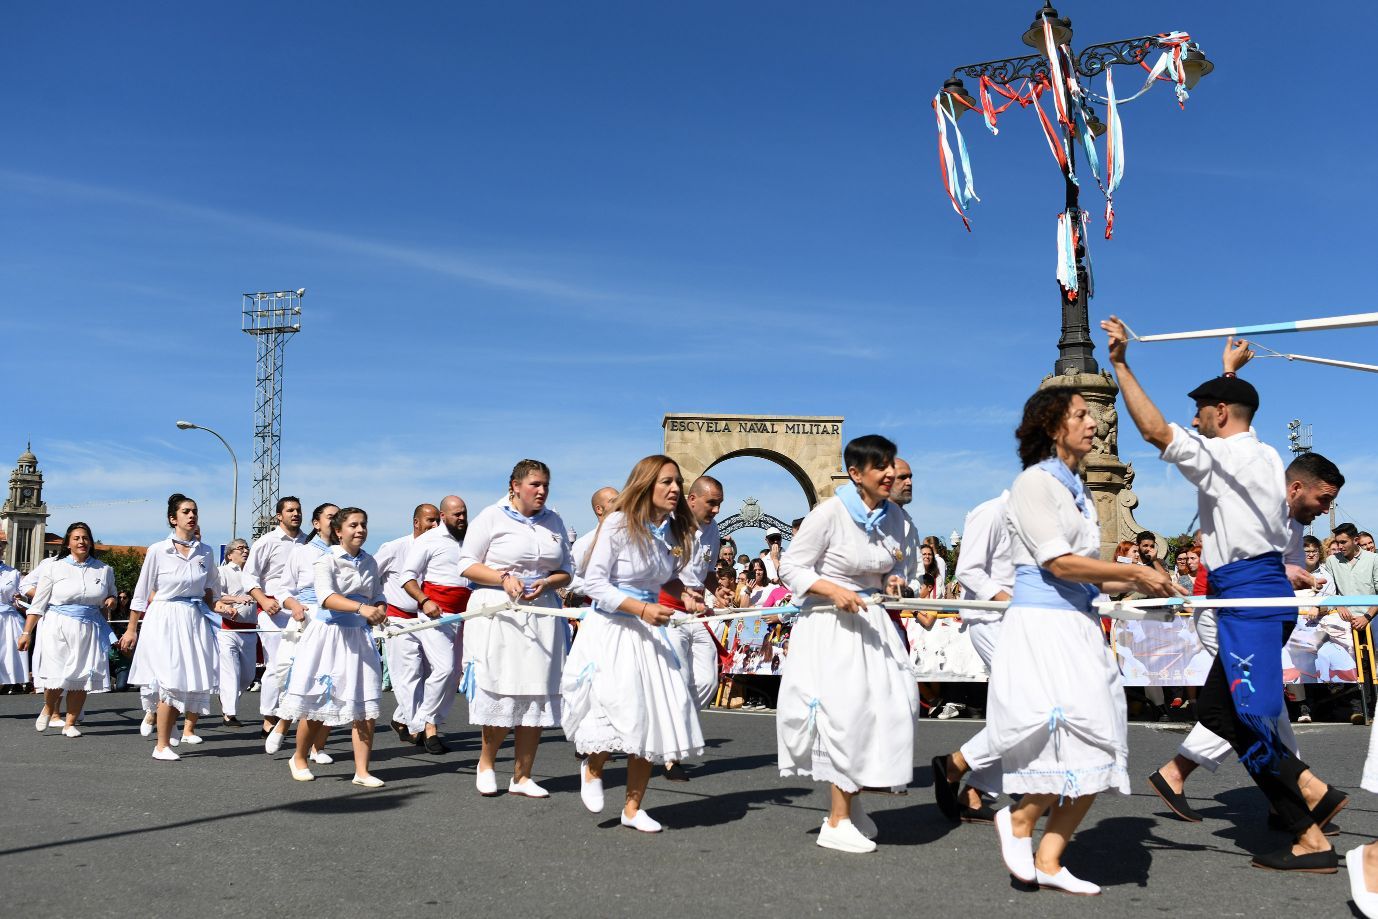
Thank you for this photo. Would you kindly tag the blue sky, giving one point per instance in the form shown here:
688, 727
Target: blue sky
534, 229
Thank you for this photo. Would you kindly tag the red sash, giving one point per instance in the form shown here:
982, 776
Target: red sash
669, 602
395, 613
450, 599
724, 655
234, 625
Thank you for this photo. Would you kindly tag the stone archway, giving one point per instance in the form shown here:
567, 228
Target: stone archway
808, 447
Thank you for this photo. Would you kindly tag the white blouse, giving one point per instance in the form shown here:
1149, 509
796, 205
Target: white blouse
434, 558
532, 547
167, 575
9, 586
232, 579
301, 571
390, 558
832, 545
702, 560
337, 573
64, 582
266, 566
617, 566
1045, 523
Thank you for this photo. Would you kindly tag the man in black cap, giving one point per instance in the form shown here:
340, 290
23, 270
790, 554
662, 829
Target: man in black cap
1242, 501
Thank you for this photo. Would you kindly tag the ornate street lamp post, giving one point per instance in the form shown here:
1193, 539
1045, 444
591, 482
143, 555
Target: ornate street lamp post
1108, 477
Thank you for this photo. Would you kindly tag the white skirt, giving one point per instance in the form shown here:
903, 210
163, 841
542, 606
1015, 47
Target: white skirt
1056, 711
624, 691
336, 677
72, 654
1370, 778
848, 701
491, 710
177, 657
513, 663
14, 664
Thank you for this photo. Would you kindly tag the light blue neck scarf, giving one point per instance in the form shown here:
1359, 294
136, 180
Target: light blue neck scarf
1059, 470
869, 520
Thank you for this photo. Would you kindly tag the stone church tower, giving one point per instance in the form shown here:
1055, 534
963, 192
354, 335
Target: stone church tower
24, 516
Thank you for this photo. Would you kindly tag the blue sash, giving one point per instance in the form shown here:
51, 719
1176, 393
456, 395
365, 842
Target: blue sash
344, 620
1036, 586
89, 614
307, 597
1251, 642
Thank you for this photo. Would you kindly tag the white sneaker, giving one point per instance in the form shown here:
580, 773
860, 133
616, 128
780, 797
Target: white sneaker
1016, 851
590, 790
56, 722
71, 732
146, 728
486, 781
191, 739
301, 775
368, 781
1365, 899
1066, 882
642, 821
844, 838
165, 754
173, 741
862, 820
274, 741
321, 758
527, 788
950, 710
41, 723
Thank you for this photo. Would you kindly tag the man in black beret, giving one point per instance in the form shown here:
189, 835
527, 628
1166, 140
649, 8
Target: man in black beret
1245, 531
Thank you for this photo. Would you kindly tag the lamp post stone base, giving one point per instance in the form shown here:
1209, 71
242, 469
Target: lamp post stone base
1108, 478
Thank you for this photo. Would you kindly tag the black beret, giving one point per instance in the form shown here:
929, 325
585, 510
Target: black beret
1229, 390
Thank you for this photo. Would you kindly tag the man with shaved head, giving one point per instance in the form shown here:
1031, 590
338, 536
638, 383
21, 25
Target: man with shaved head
695, 646
579, 552
404, 651
432, 578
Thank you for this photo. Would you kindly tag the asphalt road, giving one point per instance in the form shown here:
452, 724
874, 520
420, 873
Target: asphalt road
95, 827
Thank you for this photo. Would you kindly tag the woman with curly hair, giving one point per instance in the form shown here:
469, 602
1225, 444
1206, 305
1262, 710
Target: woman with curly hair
1056, 713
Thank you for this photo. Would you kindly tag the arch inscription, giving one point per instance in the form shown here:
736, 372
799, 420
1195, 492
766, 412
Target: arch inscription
808, 447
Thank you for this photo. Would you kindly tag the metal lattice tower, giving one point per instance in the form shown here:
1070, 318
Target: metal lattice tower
271, 318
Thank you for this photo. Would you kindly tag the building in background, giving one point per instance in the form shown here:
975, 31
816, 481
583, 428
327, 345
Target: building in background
24, 516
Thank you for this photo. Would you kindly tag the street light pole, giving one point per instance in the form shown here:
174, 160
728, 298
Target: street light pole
1052, 69
234, 462
1074, 347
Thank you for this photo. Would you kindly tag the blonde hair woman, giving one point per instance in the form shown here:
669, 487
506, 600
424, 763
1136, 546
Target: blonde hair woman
624, 689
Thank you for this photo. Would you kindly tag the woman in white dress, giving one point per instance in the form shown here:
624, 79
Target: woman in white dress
624, 689
75, 595
1056, 712
848, 698
336, 676
14, 664
515, 550
176, 660
299, 578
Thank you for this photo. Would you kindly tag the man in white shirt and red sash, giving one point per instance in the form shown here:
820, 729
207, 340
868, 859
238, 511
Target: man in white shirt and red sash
238, 644
432, 578
264, 574
403, 651
1245, 531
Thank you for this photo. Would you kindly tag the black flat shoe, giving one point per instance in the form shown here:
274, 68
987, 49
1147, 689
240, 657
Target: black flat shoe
435, 745
231, 723
403, 734
1330, 804
675, 773
946, 792
983, 814
1177, 803
1327, 862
